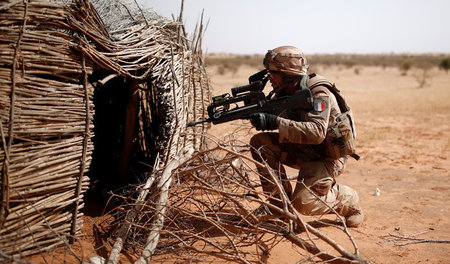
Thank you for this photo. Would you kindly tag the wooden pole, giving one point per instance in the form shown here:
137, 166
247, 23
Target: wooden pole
4, 202
84, 151
158, 223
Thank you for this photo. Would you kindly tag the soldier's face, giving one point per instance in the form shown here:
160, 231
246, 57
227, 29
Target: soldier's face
275, 78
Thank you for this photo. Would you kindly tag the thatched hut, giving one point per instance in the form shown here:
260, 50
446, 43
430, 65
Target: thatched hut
79, 81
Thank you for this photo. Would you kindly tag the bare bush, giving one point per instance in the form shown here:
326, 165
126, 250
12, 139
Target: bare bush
216, 209
423, 74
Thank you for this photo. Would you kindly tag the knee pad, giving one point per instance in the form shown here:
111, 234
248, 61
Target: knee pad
321, 188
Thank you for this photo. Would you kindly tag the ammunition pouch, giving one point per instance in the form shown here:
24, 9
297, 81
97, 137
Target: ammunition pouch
339, 141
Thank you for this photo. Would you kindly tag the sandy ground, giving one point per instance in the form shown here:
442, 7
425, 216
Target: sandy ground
403, 138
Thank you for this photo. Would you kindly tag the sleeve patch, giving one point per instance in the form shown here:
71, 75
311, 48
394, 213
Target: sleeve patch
319, 105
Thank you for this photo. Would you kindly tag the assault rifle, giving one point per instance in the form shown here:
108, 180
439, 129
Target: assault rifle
250, 99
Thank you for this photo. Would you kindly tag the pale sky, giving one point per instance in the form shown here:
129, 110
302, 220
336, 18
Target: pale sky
316, 26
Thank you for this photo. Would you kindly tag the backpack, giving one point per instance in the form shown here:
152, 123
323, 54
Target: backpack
340, 137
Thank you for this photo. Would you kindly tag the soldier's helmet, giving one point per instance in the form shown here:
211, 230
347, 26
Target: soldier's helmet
286, 59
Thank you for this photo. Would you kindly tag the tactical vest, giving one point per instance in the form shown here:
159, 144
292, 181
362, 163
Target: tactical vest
340, 137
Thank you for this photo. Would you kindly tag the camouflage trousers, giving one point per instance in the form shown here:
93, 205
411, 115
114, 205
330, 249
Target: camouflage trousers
316, 178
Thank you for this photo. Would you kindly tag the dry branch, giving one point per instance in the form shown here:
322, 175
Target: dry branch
404, 240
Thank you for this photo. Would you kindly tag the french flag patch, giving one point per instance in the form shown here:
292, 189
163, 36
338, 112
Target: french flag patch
319, 106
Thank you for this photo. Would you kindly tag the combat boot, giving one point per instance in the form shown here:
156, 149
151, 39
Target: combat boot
349, 206
354, 216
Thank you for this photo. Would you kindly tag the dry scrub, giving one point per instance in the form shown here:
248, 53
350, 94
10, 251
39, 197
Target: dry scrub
217, 210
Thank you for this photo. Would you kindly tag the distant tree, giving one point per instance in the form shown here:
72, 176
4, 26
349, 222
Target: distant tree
445, 64
423, 75
405, 66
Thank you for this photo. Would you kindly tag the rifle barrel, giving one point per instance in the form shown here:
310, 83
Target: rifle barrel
198, 122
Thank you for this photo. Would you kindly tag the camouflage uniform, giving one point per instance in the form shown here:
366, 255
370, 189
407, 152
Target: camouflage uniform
297, 145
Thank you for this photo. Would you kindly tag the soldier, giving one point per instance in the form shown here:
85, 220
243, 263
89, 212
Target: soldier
300, 141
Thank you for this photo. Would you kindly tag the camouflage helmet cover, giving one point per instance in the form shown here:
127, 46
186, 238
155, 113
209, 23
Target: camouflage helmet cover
286, 59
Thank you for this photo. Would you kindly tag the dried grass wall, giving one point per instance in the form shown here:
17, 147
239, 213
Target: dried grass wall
46, 119
48, 52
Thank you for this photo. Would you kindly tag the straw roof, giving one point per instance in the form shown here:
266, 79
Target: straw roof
49, 49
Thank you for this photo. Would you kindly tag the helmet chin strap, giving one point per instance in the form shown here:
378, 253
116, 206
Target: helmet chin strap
301, 81
277, 90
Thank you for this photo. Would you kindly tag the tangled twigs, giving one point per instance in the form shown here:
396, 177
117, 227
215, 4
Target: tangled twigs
216, 209
404, 240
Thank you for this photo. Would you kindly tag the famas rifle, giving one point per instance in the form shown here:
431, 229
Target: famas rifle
247, 100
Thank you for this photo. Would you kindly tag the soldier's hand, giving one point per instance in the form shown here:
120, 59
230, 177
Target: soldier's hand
263, 121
